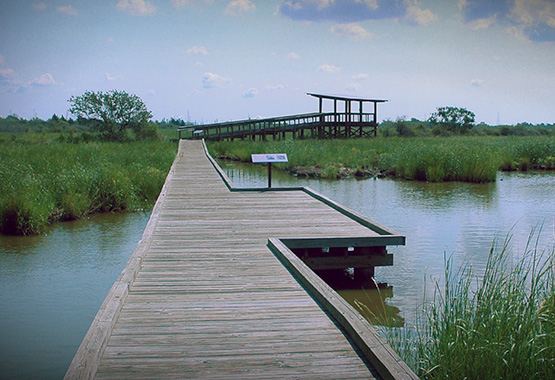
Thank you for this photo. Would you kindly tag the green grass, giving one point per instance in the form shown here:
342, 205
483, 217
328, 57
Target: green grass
462, 158
42, 183
501, 326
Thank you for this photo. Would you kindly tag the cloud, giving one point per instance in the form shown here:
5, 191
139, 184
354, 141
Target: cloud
182, 3
531, 19
536, 18
68, 10
7, 76
293, 55
360, 76
349, 11
43, 81
211, 80
477, 82
418, 16
353, 31
353, 87
250, 93
197, 50
136, 7
112, 78
329, 69
236, 7
39, 6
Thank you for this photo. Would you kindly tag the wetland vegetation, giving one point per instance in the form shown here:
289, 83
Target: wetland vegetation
502, 324
434, 159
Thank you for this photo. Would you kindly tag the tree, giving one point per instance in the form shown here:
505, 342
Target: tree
115, 111
453, 119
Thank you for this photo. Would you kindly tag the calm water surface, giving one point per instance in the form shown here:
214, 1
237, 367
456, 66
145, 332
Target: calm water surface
52, 286
457, 220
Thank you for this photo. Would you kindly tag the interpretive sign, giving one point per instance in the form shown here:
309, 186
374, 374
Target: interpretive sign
269, 158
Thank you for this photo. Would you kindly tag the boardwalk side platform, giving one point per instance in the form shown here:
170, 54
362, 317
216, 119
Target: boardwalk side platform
208, 292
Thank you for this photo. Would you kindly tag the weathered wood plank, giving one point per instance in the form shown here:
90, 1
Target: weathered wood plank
204, 296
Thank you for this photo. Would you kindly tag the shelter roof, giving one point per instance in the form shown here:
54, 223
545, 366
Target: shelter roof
345, 98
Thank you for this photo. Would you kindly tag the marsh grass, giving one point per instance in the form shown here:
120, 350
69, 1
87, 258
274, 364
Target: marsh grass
501, 326
42, 183
464, 158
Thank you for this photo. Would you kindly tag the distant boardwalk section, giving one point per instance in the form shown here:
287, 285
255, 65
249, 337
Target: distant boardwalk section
214, 289
347, 119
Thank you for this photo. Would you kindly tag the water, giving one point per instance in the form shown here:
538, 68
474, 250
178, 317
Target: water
452, 220
52, 286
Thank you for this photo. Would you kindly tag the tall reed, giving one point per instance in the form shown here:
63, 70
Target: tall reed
501, 326
463, 158
46, 182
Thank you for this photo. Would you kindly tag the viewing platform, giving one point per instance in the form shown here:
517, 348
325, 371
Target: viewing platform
219, 287
343, 122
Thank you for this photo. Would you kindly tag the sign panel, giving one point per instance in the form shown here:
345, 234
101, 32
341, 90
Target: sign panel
269, 158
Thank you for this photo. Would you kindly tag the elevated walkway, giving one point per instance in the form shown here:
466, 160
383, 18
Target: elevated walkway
213, 291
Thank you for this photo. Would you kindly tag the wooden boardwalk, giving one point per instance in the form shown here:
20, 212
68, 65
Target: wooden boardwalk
204, 297
346, 123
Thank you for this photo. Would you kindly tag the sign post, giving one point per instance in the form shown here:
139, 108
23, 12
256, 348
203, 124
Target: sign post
269, 159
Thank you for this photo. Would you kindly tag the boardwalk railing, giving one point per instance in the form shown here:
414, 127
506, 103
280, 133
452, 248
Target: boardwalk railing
321, 125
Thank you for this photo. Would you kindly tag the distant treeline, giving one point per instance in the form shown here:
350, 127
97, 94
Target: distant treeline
15, 124
387, 128
417, 128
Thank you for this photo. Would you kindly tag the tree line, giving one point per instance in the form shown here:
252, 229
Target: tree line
119, 116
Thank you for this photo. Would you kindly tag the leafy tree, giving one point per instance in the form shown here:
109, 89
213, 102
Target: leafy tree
453, 119
115, 111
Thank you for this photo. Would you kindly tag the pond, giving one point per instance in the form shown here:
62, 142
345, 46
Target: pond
52, 285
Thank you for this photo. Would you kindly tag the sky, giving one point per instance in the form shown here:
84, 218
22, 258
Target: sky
218, 60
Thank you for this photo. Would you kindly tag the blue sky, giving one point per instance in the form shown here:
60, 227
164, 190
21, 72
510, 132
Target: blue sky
208, 60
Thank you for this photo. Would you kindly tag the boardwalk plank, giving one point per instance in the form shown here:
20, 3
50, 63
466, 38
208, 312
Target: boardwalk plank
210, 300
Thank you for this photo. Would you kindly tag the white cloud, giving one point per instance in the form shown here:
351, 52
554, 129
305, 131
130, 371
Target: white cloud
250, 93
293, 55
182, 3
353, 87
112, 78
418, 16
67, 9
237, 7
211, 80
7, 75
197, 50
477, 82
353, 31
329, 68
39, 6
360, 76
482, 23
43, 81
136, 7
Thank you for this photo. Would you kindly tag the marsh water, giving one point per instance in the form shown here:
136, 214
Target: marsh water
52, 285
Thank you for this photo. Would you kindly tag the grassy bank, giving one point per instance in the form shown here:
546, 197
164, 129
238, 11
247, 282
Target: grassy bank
501, 326
41, 183
463, 158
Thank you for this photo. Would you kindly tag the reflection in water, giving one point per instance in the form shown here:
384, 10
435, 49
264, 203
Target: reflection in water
51, 287
453, 220
367, 296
